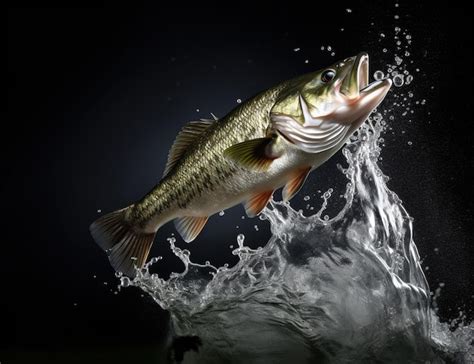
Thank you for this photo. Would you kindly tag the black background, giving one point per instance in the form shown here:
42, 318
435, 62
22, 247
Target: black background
95, 98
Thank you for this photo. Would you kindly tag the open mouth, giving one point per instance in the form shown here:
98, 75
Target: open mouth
356, 86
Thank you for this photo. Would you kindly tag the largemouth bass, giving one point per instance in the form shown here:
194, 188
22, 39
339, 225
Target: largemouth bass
273, 140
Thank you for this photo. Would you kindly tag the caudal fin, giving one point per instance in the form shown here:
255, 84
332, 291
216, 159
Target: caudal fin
126, 246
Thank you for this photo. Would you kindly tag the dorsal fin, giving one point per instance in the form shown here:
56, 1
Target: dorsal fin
186, 136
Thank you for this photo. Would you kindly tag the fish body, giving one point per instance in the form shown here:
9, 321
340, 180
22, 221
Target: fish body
271, 141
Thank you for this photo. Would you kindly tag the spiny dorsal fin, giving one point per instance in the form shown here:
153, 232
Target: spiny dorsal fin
251, 154
295, 183
189, 227
186, 136
256, 203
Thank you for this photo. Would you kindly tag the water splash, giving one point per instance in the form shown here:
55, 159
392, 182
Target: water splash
343, 289
346, 289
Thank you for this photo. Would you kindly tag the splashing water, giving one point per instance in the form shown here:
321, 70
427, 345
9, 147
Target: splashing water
347, 289
341, 290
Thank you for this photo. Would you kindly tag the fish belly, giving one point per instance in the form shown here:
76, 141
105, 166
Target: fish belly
245, 183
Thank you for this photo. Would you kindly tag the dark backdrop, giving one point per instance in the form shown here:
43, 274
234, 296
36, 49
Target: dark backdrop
96, 97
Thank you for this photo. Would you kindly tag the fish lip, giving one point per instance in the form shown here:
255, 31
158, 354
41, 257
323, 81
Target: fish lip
373, 94
373, 86
356, 78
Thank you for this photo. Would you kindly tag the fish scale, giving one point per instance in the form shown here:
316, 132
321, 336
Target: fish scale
204, 166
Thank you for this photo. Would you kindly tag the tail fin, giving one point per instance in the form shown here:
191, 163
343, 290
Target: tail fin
126, 246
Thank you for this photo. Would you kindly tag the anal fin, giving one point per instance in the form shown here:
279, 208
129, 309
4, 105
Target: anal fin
295, 183
189, 227
256, 203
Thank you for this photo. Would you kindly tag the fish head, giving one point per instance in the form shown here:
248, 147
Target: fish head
318, 110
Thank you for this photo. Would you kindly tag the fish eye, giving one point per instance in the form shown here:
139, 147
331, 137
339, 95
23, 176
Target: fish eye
328, 75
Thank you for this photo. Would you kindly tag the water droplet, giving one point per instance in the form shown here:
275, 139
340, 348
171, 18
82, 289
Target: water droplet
306, 198
99, 211
333, 54
408, 36
207, 262
322, 48
398, 80
382, 35
240, 240
197, 110
306, 61
239, 101
384, 50
410, 142
342, 29
397, 29
221, 213
398, 60
409, 79
396, 17
326, 217
125, 282
349, 10
255, 227
378, 75
296, 49
329, 48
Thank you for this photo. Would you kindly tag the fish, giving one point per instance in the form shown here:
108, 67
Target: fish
271, 141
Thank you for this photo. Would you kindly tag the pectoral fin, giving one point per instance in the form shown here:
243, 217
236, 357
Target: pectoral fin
189, 227
256, 154
256, 203
295, 183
